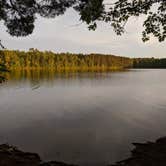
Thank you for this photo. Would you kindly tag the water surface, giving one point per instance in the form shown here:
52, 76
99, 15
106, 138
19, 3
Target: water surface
89, 119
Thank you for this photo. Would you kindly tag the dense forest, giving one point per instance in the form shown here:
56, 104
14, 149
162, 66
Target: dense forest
34, 59
149, 63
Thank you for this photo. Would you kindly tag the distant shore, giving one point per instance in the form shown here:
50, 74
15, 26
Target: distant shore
60, 62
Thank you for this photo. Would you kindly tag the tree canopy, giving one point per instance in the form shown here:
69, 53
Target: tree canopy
19, 15
59, 62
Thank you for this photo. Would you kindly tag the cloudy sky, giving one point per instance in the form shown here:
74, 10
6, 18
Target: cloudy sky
66, 34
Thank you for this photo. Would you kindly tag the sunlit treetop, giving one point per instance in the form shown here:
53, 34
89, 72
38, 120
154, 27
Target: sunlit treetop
19, 15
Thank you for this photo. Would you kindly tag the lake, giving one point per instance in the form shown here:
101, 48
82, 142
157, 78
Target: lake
89, 119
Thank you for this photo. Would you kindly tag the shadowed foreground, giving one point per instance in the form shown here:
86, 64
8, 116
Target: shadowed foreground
147, 154
144, 154
11, 156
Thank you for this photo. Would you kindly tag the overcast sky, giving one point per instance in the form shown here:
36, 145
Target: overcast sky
66, 34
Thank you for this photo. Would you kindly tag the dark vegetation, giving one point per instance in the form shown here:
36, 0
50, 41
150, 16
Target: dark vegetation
3, 69
144, 154
19, 15
149, 63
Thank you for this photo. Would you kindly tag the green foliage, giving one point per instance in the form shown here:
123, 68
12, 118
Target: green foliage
35, 59
19, 15
154, 10
149, 63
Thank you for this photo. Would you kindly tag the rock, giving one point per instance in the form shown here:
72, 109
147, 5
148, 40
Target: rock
147, 154
11, 156
55, 163
144, 154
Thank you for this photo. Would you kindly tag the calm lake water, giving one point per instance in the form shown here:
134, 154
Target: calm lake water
89, 119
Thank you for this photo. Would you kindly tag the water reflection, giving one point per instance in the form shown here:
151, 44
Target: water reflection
37, 78
86, 118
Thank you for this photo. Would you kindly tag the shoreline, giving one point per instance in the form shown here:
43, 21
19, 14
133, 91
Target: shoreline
143, 154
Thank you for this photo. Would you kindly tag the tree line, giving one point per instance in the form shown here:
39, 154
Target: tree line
35, 59
149, 63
